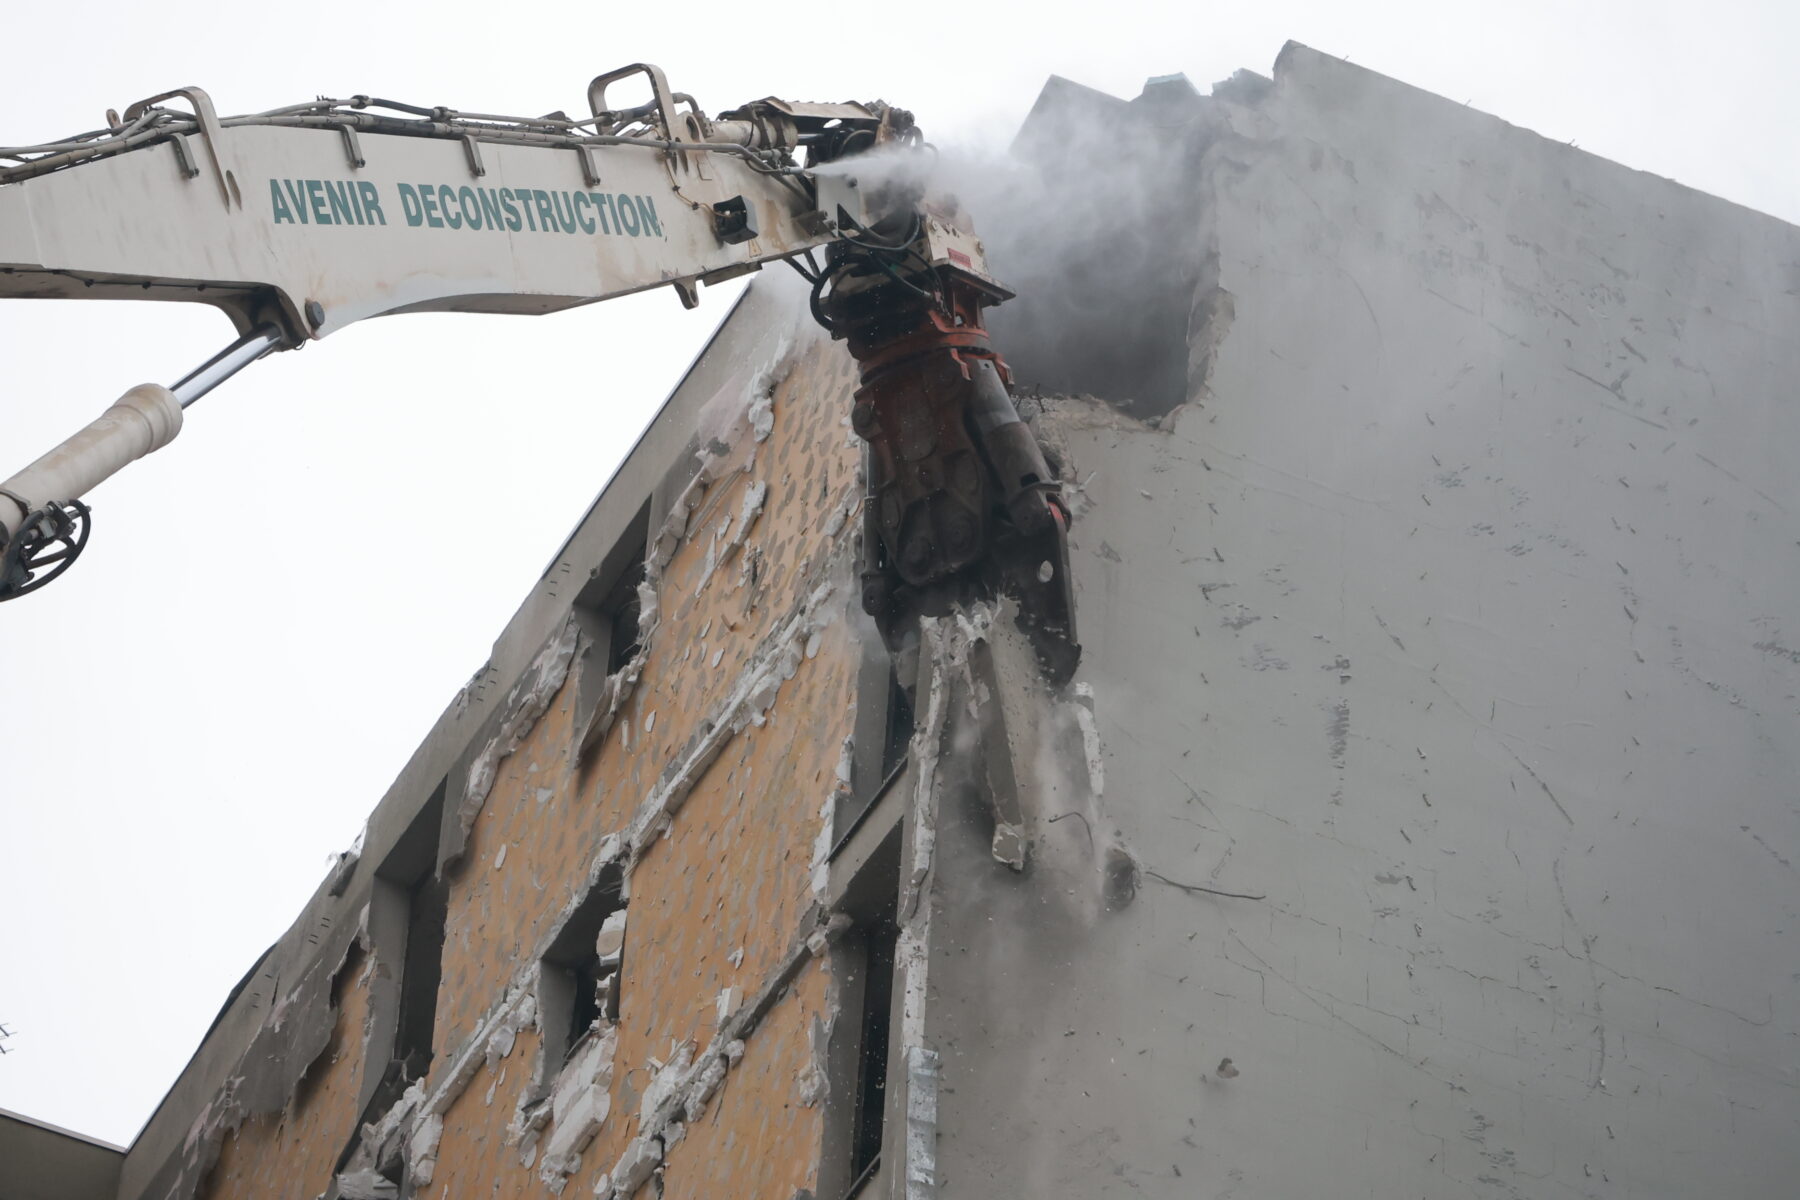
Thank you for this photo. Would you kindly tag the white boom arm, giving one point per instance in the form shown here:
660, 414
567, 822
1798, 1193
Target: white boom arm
302, 220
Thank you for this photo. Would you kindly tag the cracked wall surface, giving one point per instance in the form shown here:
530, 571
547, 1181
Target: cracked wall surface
1451, 617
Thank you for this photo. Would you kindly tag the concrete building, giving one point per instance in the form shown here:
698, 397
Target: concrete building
1420, 822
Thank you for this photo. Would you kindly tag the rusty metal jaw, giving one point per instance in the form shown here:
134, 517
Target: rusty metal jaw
961, 503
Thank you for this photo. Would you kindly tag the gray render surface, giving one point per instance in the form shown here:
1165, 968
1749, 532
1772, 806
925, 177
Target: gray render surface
44, 1162
1457, 613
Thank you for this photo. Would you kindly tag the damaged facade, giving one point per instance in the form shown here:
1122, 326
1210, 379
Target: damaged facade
1419, 820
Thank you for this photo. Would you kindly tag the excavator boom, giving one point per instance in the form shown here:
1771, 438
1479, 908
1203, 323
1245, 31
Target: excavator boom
301, 220
318, 215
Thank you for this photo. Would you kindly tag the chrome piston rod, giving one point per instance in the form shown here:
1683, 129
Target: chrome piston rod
262, 340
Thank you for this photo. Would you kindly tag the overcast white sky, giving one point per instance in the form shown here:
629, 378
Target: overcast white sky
274, 611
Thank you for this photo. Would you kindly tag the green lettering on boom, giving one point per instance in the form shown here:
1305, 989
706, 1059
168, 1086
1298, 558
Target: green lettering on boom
315, 191
371, 202
428, 200
490, 208
545, 211
628, 215
647, 209
463, 206
339, 198
277, 206
296, 198
409, 204
447, 197
565, 211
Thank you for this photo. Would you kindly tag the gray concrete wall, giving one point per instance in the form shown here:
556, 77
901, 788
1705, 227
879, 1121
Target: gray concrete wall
44, 1162
1458, 616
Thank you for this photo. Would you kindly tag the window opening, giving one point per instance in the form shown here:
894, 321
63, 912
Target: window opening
864, 963
408, 910
578, 983
608, 609
880, 940
409, 874
623, 607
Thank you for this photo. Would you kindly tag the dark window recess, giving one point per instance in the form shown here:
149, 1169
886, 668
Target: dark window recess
873, 902
872, 1064
407, 915
412, 865
622, 608
419, 981
899, 726
579, 981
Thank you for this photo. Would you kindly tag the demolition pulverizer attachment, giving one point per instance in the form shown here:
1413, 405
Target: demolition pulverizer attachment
961, 503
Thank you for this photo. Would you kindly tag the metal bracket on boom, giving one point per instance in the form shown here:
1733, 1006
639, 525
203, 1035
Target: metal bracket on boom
208, 120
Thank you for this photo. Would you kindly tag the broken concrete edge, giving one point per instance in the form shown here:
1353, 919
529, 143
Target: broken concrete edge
842, 787
942, 655
525, 703
291, 1038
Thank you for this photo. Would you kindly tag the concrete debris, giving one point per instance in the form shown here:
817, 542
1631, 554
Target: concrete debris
762, 416
579, 1103
749, 404
422, 1149
815, 1080
634, 1168
1090, 737
834, 928
609, 943
384, 1143
705, 1084
524, 704
366, 1184
841, 790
